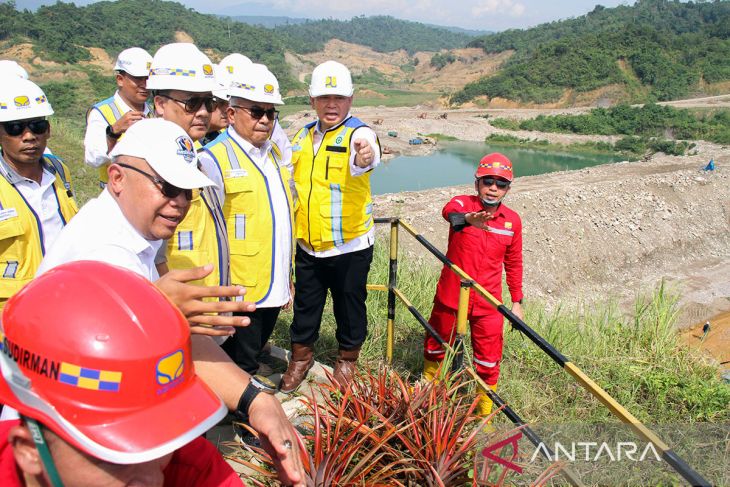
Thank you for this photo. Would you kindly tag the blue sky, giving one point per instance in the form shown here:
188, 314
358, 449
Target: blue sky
494, 15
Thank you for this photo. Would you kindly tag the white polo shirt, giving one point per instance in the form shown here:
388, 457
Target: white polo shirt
101, 232
280, 292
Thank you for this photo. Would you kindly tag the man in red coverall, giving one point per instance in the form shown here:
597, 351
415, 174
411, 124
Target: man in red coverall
111, 397
485, 236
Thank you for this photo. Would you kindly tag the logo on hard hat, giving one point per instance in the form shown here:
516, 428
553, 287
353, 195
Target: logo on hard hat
229, 69
170, 368
3, 106
207, 69
186, 148
21, 101
92, 379
268, 89
331, 82
149, 65
40, 99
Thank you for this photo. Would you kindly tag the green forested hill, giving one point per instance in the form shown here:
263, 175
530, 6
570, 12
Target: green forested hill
59, 31
660, 47
381, 33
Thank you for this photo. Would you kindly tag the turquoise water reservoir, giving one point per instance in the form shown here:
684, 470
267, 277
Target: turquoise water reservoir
456, 162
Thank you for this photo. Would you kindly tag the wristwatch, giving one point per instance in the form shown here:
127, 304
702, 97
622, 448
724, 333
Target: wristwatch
256, 386
111, 134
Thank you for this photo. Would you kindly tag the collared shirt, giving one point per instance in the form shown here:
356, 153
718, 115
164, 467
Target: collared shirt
280, 291
40, 197
96, 149
368, 239
101, 232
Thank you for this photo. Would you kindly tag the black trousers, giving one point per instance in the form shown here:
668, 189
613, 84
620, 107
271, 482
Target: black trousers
246, 344
345, 276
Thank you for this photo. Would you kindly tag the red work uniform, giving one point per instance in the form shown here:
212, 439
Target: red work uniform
482, 254
197, 464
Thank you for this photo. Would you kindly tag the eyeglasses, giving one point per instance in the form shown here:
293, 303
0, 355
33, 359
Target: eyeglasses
501, 183
258, 112
168, 190
15, 128
193, 104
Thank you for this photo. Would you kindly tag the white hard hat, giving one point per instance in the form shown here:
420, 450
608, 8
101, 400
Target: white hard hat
11, 68
233, 63
21, 99
135, 61
181, 66
330, 78
256, 83
167, 149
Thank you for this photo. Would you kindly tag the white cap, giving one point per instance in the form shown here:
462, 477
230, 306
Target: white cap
166, 148
331, 78
11, 68
256, 83
21, 99
135, 61
181, 66
232, 64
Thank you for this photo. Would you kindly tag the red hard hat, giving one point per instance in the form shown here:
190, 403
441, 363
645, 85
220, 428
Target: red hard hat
100, 356
495, 164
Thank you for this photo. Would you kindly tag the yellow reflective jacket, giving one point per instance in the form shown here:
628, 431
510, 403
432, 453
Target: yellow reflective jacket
111, 112
21, 232
333, 207
249, 214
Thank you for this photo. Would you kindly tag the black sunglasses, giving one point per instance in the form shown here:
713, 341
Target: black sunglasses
501, 183
258, 112
168, 190
15, 128
193, 104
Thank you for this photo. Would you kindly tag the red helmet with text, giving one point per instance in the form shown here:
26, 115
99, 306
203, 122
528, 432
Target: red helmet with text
495, 164
101, 357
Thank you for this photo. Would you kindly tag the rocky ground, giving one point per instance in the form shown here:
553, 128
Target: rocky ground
607, 231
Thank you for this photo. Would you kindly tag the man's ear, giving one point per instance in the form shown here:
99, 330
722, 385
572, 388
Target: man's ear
159, 102
116, 178
311, 102
119, 79
26, 456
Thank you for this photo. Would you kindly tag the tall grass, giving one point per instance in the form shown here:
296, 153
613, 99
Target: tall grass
636, 357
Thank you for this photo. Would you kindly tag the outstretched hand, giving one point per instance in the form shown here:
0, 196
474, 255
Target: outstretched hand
206, 317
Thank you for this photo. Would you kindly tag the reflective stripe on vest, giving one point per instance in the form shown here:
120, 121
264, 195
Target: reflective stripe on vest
200, 239
333, 207
250, 217
21, 232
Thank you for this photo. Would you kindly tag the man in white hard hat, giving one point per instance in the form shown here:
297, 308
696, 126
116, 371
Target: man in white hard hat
9, 67
257, 207
107, 120
182, 80
153, 178
36, 196
335, 231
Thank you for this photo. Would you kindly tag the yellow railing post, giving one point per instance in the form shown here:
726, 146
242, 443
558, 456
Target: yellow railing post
462, 313
392, 284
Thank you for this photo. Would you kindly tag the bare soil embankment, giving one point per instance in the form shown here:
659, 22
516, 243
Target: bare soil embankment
612, 231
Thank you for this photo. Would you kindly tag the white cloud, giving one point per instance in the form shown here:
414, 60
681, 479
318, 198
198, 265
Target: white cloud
484, 7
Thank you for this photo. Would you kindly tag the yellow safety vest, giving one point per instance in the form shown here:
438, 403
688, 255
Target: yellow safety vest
111, 112
21, 232
249, 214
333, 207
200, 238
